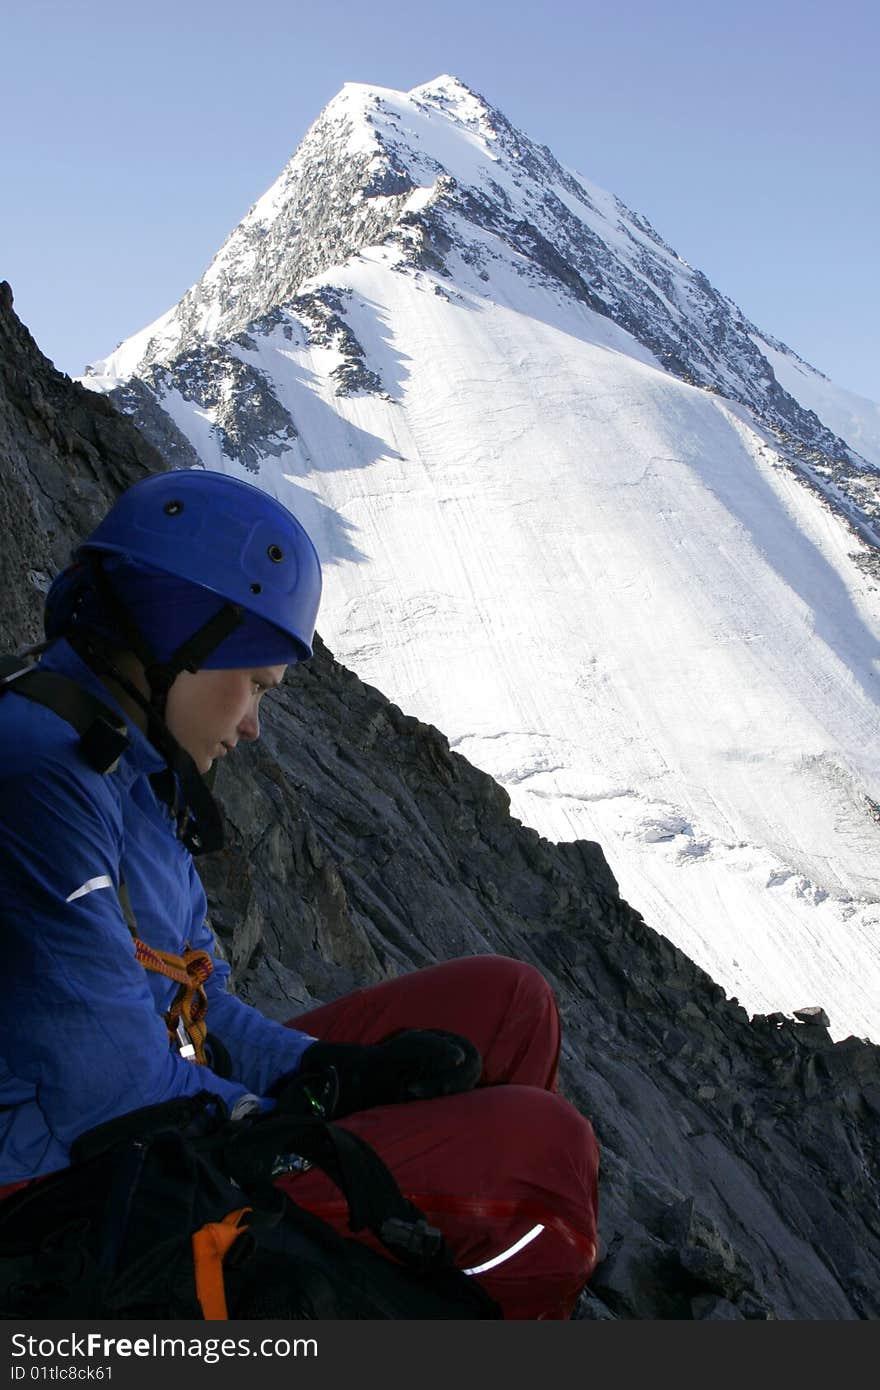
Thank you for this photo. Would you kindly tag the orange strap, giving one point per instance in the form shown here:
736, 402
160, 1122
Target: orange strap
209, 1245
190, 1004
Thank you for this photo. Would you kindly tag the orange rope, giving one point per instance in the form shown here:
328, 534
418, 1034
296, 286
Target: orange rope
190, 1004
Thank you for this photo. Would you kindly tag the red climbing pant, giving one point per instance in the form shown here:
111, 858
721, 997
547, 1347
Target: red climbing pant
509, 1172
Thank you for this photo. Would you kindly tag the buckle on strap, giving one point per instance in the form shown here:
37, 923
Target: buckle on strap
103, 744
415, 1241
103, 733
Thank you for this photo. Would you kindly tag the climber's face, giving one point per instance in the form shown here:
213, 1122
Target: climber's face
210, 711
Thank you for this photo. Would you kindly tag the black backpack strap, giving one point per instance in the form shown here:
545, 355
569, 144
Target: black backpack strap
103, 735
192, 1116
374, 1198
376, 1201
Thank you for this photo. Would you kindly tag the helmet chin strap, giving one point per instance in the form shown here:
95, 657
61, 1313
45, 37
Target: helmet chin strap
199, 820
189, 656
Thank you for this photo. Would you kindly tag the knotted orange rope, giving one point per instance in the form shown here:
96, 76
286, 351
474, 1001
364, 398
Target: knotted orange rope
190, 1003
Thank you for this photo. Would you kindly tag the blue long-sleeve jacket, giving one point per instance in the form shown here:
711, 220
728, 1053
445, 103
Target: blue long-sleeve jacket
82, 1038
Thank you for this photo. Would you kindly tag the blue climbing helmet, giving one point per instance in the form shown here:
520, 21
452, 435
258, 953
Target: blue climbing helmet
193, 569
188, 570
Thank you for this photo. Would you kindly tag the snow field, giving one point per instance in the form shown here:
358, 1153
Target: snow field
602, 584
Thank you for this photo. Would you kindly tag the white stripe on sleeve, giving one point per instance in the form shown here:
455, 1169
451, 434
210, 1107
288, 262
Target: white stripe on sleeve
89, 887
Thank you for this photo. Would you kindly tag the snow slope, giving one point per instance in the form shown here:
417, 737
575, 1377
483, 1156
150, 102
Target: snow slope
855, 418
606, 584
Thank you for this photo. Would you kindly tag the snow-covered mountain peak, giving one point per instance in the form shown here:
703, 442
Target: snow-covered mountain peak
574, 509
451, 98
437, 169
449, 93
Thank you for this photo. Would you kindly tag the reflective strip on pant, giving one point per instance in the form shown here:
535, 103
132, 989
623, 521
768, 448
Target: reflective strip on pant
507, 1254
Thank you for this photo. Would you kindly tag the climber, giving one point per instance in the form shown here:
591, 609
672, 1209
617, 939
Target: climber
179, 613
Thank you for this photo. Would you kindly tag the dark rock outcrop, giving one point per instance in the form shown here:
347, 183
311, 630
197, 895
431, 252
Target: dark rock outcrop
740, 1171
249, 420
65, 455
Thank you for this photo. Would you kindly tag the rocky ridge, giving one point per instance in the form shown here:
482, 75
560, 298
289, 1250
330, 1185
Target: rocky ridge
740, 1158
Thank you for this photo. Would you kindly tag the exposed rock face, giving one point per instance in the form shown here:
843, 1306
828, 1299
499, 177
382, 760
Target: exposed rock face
740, 1173
249, 420
65, 455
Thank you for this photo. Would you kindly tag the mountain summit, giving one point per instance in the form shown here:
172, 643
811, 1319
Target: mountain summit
574, 509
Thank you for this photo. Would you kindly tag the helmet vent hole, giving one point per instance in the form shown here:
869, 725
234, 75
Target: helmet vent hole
276, 554
256, 588
173, 508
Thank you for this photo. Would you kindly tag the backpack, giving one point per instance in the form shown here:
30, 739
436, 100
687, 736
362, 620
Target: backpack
171, 1212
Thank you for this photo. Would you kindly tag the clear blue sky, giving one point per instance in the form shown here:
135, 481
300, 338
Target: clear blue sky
136, 135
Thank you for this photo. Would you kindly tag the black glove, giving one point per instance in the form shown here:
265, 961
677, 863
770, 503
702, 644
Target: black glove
412, 1065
